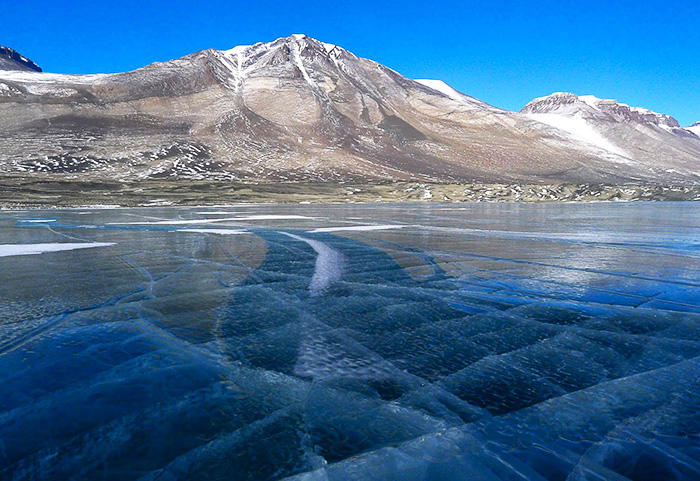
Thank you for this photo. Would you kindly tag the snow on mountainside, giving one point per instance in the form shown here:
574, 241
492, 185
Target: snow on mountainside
443, 88
580, 130
299, 109
695, 128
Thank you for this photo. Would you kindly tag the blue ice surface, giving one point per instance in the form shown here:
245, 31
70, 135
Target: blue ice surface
477, 342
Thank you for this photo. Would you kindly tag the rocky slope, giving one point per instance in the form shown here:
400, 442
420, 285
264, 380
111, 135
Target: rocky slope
297, 109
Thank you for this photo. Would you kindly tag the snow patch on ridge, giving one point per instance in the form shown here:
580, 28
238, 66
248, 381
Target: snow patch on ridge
579, 129
442, 87
329, 47
695, 128
211, 221
590, 100
464, 99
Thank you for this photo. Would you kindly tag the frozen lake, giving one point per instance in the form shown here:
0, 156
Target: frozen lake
351, 342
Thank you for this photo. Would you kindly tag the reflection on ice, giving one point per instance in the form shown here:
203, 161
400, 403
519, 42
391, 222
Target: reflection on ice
429, 343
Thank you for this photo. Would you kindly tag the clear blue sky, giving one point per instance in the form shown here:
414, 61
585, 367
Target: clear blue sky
645, 53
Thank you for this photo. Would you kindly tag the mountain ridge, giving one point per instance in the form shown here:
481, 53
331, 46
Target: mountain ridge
297, 109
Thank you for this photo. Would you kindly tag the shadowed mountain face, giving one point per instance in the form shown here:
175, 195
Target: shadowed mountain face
12, 60
300, 109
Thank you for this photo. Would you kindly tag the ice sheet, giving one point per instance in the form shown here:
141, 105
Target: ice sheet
430, 342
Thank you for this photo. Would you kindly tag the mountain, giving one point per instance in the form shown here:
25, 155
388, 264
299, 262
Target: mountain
12, 60
297, 109
618, 130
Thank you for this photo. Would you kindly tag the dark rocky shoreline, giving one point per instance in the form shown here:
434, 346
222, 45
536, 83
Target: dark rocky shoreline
18, 192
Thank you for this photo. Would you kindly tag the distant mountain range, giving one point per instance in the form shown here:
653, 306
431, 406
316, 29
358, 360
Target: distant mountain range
297, 109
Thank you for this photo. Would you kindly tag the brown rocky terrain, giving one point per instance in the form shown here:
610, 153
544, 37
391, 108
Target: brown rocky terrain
300, 110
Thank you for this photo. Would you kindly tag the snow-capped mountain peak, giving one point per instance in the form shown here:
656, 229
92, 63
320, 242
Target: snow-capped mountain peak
241, 61
297, 40
321, 66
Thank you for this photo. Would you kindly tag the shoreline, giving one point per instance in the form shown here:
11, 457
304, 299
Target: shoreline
42, 193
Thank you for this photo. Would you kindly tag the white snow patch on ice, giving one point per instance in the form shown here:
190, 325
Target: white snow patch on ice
211, 221
175, 222
272, 217
579, 129
31, 249
329, 264
215, 231
216, 212
358, 228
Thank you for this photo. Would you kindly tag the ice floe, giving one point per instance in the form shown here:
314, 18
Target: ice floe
358, 228
7, 250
